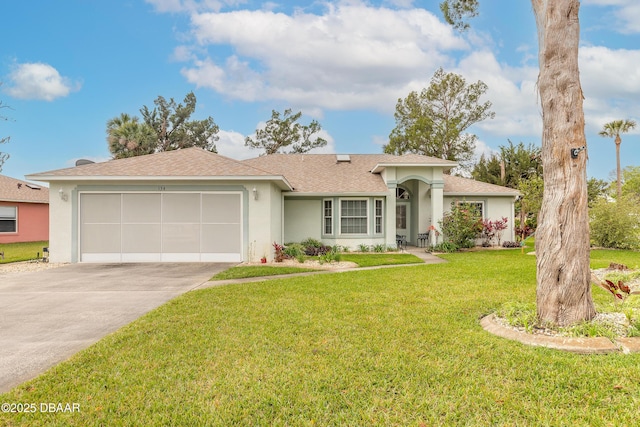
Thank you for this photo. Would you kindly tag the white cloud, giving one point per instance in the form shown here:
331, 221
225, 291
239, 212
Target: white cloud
38, 81
483, 149
357, 56
625, 12
512, 92
352, 56
231, 144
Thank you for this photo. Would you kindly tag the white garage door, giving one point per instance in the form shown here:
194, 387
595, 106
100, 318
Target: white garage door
152, 227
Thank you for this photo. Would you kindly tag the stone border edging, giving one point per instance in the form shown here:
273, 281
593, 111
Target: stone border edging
598, 345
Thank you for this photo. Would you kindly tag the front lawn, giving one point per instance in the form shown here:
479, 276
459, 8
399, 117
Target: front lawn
247, 271
387, 258
396, 346
14, 252
362, 260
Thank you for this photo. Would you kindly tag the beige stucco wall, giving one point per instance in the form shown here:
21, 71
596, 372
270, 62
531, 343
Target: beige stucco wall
264, 218
302, 220
60, 222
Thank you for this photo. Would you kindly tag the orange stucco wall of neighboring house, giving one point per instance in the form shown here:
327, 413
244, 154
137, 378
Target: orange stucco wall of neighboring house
33, 223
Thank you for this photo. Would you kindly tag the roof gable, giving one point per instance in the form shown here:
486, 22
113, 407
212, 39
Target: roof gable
330, 173
15, 190
458, 186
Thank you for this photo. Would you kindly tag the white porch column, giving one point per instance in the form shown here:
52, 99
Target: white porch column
390, 215
437, 208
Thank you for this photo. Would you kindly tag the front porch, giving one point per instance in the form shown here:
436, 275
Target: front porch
418, 211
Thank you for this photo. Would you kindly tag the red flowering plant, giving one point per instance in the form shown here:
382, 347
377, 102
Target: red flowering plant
493, 229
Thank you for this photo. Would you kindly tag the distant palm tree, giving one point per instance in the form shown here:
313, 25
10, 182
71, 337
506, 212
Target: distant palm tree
613, 130
127, 137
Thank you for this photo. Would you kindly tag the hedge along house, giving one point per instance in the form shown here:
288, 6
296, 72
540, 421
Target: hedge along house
193, 205
24, 211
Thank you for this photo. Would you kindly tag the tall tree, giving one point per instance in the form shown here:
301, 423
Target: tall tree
167, 127
613, 130
433, 122
285, 132
489, 168
127, 137
563, 293
3, 139
514, 163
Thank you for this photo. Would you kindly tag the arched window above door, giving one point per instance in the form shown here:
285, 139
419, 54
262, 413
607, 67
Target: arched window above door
402, 194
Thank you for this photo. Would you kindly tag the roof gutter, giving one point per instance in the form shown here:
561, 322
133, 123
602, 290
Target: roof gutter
280, 180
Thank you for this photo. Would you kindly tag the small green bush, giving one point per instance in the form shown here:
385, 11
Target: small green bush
331, 255
446, 247
379, 248
363, 248
294, 250
615, 224
313, 243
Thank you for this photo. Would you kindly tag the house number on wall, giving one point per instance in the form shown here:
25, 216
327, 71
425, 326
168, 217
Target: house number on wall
161, 188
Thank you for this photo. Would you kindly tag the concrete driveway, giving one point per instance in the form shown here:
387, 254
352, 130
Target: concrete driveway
47, 316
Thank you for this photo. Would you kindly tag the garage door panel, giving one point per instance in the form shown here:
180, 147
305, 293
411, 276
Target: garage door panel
141, 238
141, 208
181, 208
220, 238
181, 238
221, 208
101, 238
100, 208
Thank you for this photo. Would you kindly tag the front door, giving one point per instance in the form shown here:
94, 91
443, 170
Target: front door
403, 219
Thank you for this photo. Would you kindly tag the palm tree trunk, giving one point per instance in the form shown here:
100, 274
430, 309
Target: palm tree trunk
563, 293
618, 172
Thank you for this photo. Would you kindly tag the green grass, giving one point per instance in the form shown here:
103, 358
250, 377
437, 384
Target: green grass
14, 252
363, 260
247, 271
374, 259
398, 346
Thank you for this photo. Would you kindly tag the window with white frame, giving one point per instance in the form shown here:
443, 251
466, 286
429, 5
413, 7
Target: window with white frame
476, 206
327, 216
378, 216
353, 217
8, 219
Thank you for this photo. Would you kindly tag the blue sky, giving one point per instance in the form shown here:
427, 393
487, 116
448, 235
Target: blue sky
67, 67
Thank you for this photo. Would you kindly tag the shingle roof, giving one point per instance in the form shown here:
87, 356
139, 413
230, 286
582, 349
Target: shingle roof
306, 173
15, 190
322, 173
455, 185
187, 162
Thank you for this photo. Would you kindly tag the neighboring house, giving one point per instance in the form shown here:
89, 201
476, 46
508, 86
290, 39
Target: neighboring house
193, 205
24, 211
